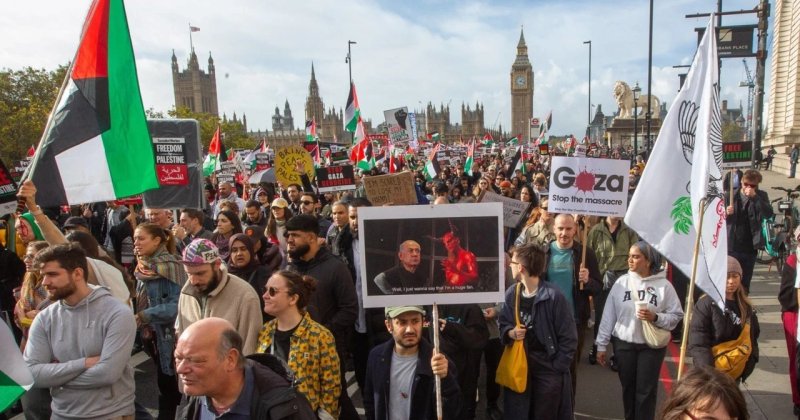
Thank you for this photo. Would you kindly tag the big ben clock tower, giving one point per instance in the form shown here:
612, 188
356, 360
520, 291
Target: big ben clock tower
521, 91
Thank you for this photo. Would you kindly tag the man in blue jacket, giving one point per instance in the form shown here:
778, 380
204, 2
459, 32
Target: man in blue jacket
400, 373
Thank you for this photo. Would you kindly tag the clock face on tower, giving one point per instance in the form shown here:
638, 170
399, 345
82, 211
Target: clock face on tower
520, 81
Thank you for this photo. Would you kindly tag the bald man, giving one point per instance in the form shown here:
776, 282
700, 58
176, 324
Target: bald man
219, 380
405, 274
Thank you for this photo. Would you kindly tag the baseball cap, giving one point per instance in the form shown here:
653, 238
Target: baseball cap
395, 311
200, 251
279, 202
75, 221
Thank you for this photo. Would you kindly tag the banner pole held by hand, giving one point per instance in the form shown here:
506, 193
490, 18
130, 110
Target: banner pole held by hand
437, 379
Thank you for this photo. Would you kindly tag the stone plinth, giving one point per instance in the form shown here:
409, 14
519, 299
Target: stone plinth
621, 132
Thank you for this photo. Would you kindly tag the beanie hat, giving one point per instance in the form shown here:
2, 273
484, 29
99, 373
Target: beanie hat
199, 252
734, 266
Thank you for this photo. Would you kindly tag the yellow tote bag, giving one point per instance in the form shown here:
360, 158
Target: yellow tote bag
512, 372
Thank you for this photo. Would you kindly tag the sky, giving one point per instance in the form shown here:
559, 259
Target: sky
407, 53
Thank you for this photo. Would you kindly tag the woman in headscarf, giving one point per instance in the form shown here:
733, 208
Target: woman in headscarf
655, 301
160, 277
243, 263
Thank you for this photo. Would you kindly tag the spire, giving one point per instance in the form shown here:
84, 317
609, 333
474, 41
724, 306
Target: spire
174, 62
313, 88
522, 48
313, 77
210, 63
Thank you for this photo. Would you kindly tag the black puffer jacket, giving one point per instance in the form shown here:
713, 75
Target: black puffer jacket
745, 222
787, 294
711, 327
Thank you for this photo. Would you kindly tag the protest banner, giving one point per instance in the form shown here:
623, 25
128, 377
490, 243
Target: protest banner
514, 211
8, 191
396, 189
340, 157
595, 187
170, 156
398, 125
335, 178
262, 161
286, 160
737, 154
461, 255
544, 149
176, 193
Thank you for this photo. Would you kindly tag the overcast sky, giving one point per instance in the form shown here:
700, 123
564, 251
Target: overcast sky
408, 52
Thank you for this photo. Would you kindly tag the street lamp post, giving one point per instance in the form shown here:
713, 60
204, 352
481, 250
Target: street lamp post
636, 92
590, 79
349, 60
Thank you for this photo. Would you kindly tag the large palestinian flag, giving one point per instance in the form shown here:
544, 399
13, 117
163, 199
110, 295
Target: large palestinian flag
96, 145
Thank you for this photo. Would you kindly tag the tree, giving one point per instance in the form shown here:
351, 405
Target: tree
26, 98
234, 133
731, 132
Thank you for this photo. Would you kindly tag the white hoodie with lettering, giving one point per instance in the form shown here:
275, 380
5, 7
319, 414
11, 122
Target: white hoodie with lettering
619, 314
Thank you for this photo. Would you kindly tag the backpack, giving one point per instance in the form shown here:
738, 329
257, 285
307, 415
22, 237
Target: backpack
730, 357
281, 402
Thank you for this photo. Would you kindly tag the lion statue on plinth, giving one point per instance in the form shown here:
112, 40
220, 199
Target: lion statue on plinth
623, 94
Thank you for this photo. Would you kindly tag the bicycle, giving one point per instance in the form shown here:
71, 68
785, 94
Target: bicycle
779, 234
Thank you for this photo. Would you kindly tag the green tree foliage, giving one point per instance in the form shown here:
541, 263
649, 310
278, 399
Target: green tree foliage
732, 132
233, 131
26, 98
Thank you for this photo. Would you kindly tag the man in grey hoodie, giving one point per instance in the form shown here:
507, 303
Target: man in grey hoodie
80, 345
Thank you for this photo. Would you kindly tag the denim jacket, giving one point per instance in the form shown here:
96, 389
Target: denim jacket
163, 295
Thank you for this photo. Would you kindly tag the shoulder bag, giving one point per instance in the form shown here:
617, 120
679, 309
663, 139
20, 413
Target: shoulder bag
655, 337
730, 357
512, 371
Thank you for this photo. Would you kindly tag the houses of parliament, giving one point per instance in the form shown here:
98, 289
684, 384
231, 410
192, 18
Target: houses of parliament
196, 89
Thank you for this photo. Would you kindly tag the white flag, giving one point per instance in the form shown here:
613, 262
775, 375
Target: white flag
684, 167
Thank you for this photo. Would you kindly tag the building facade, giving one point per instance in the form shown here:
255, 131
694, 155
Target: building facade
521, 81
194, 88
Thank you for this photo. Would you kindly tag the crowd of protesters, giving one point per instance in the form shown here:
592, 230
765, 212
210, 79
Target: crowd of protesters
255, 301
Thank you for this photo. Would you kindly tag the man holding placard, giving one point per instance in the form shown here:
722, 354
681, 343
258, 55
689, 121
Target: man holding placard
400, 372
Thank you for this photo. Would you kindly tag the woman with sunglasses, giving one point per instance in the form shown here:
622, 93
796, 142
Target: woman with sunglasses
655, 301
306, 347
539, 227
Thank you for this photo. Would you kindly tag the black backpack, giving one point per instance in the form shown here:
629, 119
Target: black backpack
281, 402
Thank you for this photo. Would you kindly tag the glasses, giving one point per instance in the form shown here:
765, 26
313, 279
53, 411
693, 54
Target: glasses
750, 185
272, 291
306, 203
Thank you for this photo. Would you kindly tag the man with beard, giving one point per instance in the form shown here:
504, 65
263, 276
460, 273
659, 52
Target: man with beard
213, 292
404, 275
308, 205
80, 345
334, 303
400, 373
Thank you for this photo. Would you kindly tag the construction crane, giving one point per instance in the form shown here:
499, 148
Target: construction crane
750, 85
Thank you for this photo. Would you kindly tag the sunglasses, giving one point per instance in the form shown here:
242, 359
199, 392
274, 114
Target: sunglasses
272, 291
750, 185
305, 203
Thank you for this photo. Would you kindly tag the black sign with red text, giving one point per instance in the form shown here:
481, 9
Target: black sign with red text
170, 155
335, 178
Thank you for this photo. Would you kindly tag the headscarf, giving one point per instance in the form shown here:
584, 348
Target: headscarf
160, 264
34, 227
652, 256
243, 272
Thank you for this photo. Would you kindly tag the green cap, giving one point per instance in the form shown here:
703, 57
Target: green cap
395, 311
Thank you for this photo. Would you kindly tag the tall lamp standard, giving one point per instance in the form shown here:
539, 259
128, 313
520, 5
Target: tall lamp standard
590, 79
349, 60
636, 92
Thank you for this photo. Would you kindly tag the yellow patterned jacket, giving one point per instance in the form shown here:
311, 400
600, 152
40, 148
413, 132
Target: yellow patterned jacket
313, 360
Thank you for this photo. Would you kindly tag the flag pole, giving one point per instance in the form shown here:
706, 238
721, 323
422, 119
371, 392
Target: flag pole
584, 233
730, 185
687, 318
437, 379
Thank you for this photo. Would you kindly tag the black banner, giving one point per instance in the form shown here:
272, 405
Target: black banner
8, 191
170, 155
733, 41
335, 178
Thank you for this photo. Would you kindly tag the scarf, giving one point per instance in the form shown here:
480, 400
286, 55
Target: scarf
160, 264
246, 271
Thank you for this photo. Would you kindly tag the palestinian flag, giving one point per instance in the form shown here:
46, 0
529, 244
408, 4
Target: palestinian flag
435, 136
517, 162
15, 378
431, 168
488, 140
362, 155
514, 141
311, 131
96, 145
469, 162
352, 112
216, 154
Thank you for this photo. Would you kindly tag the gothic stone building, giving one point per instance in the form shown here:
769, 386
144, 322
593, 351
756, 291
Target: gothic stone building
194, 88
